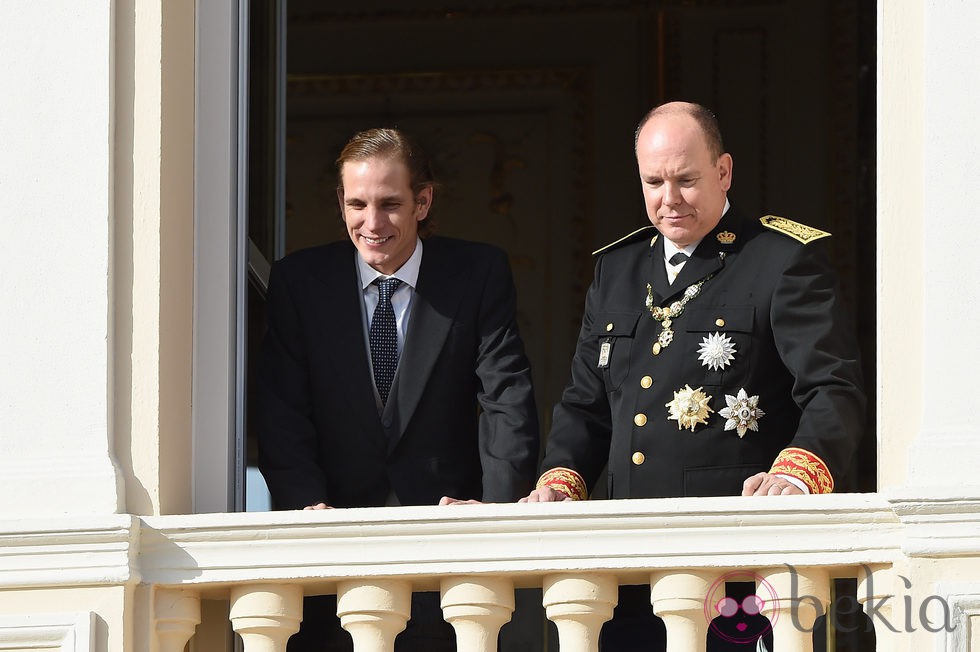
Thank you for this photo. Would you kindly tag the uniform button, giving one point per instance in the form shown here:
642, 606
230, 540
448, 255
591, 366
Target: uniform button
639, 458
609, 327
646, 382
719, 322
640, 419
656, 348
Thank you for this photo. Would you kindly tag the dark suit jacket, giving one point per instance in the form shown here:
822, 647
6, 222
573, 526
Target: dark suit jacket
461, 418
778, 302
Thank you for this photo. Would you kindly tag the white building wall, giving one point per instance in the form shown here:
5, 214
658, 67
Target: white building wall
946, 452
55, 185
65, 179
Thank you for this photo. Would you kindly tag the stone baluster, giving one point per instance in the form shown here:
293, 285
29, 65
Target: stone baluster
477, 607
266, 615
176, 614
374, 611
803, 595
678, 598
578, 605
876, 591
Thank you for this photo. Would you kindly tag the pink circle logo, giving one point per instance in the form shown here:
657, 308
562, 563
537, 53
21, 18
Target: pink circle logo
740, 620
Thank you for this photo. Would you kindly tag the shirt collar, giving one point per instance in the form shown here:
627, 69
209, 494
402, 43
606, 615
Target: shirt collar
408, 273
670, 248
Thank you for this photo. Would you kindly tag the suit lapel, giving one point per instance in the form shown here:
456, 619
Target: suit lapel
341, 321
660, 288
434, 305
703, 262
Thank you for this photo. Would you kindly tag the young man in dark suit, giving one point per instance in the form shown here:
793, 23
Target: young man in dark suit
392, 372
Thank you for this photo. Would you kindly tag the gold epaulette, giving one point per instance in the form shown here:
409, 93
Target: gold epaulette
795, 230
629, 238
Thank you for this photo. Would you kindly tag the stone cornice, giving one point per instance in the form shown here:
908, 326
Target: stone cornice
628, 537
939, 521
69, 551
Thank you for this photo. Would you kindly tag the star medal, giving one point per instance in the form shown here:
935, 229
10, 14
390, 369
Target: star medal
743, 413
689, 407
717, 351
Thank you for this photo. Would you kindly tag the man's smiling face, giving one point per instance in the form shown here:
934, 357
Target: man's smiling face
381, 212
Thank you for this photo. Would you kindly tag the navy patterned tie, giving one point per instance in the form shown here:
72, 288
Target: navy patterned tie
383, 338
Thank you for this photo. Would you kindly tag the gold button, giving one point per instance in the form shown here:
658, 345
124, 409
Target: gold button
639, 458
656, 348
640, 419
646, 382
719, 322
609, 327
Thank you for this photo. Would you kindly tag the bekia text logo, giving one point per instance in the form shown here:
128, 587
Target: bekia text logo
738, 618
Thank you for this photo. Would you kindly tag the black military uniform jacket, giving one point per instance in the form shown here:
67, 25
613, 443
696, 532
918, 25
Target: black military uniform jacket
773, 302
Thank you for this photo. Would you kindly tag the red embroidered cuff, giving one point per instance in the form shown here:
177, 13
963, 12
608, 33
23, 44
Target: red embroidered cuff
566, 481
806, 466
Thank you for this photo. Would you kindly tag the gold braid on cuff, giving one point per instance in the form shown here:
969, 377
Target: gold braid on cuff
566, 481
806, 466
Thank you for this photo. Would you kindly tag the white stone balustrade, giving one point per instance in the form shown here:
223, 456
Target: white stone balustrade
578, 553
678, 597
477, 607
176, 614
578, 604
804, 594
265, 616
877, 586
373, 612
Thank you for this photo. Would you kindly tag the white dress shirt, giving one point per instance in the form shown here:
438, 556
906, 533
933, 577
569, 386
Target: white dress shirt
401, 300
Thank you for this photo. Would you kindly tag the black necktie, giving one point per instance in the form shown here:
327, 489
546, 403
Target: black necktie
383, 337
675, 260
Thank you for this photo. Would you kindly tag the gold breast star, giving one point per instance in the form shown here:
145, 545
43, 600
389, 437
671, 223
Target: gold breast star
689, 407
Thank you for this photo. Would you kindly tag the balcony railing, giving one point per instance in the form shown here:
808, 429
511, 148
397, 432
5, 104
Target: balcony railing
578, 553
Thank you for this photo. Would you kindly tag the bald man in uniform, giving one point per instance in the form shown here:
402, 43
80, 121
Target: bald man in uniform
714, 356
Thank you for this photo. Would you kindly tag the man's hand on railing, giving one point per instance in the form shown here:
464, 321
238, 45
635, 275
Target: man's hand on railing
449, 500
318, 506
769, 484
545, 495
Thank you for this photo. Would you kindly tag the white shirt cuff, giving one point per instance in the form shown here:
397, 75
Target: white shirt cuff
796, 482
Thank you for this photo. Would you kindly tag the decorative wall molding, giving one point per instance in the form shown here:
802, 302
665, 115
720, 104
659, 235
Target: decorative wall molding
69, 551
66, 632
939, 523
962, 600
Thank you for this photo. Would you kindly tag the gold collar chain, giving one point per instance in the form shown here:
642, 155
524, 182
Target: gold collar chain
667, 314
